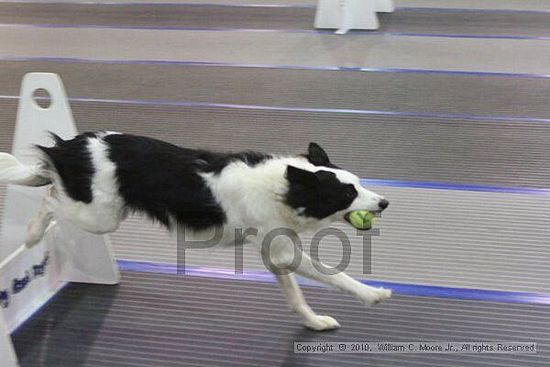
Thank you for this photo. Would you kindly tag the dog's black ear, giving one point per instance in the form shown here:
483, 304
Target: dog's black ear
301, 176
317, 156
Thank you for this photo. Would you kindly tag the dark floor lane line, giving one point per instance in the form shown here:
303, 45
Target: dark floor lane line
163, 16
403, 21
74, 60
475, 95
382, 147
397, 288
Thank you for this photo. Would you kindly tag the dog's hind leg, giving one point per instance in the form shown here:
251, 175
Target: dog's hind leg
298, 304
37, 226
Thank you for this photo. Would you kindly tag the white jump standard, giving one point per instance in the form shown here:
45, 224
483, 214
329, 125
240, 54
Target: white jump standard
345, 15
31, 275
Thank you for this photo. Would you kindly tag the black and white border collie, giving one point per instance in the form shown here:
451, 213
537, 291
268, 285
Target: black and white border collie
98, 178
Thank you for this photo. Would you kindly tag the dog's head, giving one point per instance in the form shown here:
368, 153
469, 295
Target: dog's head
327, 191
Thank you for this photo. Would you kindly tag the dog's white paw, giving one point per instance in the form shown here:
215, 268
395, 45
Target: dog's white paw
321, 323
383, 294
373, 297
35, 232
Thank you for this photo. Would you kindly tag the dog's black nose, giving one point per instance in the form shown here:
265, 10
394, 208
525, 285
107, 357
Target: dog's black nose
383, 204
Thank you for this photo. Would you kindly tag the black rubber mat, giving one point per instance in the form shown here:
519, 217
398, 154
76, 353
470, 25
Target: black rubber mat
193, 16
164, 320
377, 91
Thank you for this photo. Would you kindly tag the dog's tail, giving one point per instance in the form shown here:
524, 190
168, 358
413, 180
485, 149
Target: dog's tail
14, 172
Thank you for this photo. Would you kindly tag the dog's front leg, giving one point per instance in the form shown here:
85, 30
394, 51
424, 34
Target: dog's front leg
298, 304
313, 269
283, 254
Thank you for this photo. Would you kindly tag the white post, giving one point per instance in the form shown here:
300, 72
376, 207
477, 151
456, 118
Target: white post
30, 277
345, 15
384, 6
7, 354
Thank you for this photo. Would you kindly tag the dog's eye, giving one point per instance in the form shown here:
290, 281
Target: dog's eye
350, 192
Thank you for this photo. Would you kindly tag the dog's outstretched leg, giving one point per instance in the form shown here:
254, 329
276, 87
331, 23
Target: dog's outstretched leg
282, 255
298, 304
37, 226
364, 293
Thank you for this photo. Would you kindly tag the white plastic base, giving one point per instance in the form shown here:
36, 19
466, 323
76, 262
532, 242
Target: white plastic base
30, 277
345, 15
7, 354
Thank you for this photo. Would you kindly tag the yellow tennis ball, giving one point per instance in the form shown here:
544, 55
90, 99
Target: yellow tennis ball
360, 219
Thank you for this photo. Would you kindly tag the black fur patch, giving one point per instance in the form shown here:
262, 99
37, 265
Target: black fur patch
320, 193
73, 163
216, 162
317, 156
162, 180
